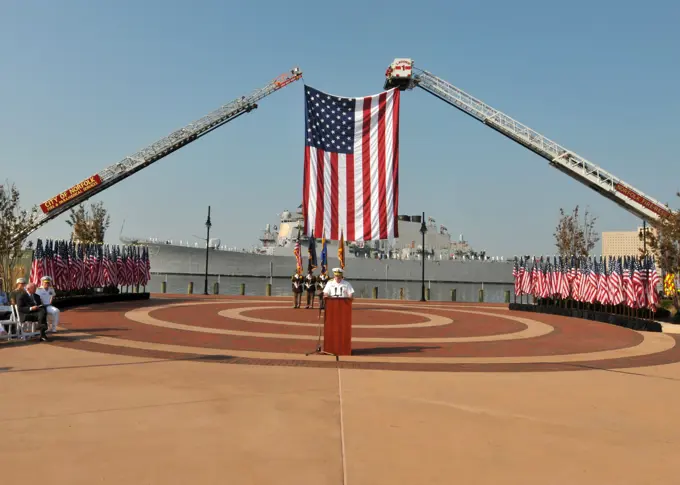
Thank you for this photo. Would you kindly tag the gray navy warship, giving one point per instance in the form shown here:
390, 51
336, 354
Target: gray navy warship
398, 260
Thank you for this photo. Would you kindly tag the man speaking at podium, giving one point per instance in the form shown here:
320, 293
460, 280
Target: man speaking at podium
338, 287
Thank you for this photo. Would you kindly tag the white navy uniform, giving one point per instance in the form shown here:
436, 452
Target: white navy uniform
46, 296
334, 289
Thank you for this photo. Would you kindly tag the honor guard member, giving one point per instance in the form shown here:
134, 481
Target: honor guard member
310, 286
46, 293
321, 284
338, 287
297, 289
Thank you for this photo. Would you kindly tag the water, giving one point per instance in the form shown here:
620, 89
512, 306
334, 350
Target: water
465, 292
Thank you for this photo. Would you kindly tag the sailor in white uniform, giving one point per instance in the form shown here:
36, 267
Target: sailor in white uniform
46, 293
338, 287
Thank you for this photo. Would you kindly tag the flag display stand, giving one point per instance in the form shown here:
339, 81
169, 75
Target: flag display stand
611, 285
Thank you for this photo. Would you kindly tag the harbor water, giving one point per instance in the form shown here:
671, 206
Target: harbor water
464, 292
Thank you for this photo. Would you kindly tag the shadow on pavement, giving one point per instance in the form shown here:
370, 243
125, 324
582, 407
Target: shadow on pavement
392, 350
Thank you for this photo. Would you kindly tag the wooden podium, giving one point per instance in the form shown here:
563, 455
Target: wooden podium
337, 326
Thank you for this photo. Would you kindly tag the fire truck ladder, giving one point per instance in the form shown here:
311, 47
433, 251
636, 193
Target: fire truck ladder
577, 167
134, 163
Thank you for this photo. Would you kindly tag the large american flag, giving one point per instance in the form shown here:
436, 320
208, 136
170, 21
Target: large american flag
351, 166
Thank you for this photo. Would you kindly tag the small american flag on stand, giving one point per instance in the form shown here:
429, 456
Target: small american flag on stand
37, 266
615, 282
147, 266
62, 274
653, 281
48, 258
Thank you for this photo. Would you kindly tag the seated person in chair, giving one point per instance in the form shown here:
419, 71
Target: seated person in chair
4, 299
20, 288
46, 293
5, 311
31, 309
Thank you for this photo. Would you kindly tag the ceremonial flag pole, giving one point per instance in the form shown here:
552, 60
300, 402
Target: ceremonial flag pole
324, 256
341, 250
312, 253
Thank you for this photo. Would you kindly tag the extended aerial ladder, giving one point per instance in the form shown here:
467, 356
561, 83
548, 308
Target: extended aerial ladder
400, 75
117, 172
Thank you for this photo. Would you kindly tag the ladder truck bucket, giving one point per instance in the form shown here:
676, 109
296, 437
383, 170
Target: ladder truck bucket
132, 164
399, 74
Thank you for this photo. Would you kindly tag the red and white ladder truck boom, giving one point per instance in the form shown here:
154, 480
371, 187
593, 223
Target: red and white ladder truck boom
402, 75
113, 174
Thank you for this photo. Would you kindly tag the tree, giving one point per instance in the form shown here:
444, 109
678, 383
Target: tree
13, 220
89, 228
664, 243
573, 237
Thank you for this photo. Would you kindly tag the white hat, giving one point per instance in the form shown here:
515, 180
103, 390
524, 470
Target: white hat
46, 278
21, 281
338, 270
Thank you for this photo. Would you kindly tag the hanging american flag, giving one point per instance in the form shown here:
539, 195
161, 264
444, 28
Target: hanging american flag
351, 166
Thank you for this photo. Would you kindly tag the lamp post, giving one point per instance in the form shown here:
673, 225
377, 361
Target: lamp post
207, 247
423, 230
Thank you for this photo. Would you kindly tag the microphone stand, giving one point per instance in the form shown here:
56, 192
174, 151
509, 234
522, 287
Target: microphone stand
318, 350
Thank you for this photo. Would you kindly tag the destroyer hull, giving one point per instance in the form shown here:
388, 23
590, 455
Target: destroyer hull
179, 260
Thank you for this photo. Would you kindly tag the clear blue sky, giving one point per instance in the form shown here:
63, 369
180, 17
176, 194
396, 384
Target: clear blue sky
83, 84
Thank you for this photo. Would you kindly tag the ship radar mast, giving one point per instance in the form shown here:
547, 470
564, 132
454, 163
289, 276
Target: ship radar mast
268, 238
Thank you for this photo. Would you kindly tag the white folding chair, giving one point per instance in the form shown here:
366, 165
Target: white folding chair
6, 328
25, 330
10, 325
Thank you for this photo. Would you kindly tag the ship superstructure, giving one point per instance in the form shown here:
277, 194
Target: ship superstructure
280, 239
397, 260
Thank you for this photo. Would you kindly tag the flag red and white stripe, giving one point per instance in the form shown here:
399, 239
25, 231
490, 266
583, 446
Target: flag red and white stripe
351, 168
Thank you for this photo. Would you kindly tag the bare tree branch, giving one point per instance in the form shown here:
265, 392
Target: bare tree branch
663, 241
574, 238
89, 228
13, 220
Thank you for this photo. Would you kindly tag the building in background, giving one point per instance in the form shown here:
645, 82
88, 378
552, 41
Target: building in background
622, 243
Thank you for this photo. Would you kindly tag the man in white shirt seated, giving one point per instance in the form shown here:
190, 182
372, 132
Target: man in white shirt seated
338, 287
46, 293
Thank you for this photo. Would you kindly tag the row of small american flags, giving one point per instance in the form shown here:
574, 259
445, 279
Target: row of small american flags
74, 266
629, 281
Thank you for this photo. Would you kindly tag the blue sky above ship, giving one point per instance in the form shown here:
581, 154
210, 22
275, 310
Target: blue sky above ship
85, 85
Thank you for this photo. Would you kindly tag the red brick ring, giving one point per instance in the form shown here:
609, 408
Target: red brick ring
386, 335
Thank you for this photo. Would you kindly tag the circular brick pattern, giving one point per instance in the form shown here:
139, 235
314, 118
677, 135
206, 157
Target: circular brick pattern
366, 317
386, 335
361, 317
